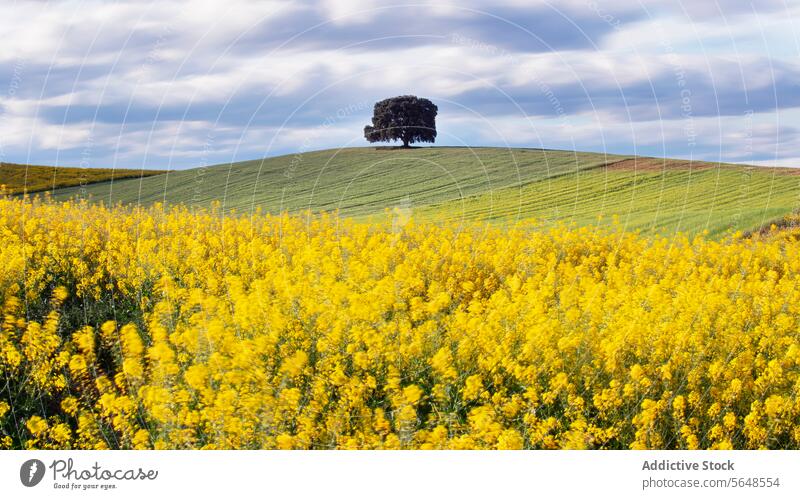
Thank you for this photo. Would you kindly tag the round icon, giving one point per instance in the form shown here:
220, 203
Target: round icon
31, 472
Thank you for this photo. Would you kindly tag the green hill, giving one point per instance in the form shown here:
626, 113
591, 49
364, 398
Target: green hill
33, 178
494, 184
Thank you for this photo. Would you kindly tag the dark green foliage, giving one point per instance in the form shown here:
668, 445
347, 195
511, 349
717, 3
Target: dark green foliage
407, 118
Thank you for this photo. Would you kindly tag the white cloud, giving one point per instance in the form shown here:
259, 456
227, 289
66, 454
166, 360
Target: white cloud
206, 53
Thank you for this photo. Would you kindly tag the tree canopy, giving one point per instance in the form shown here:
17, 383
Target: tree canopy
407, 118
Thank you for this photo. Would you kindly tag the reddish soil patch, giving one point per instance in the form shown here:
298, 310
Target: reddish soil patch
794, 172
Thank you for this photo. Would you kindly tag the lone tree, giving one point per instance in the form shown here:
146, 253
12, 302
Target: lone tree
406, 117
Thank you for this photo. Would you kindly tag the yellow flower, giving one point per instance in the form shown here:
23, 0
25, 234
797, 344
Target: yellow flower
36, 425
294, 365
285, 442
473, 387
222, 331
412, 394
196, 376
70, 406
141, 440
510, 440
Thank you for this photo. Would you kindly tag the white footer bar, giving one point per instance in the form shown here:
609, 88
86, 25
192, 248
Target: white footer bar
401, 474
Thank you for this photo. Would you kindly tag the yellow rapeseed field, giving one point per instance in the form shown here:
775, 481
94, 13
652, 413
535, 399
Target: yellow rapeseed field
169, 328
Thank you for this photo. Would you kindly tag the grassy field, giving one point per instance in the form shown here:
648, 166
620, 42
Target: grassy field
31, 178
494, 184
718, 200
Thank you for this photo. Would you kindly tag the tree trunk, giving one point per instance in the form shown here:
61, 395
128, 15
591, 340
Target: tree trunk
405, 142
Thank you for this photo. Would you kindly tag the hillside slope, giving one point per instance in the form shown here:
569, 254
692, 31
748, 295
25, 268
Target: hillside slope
357, 181
481, 183
19, 178
677, 198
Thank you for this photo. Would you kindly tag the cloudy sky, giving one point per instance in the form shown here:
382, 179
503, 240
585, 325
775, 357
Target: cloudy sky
179, 84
